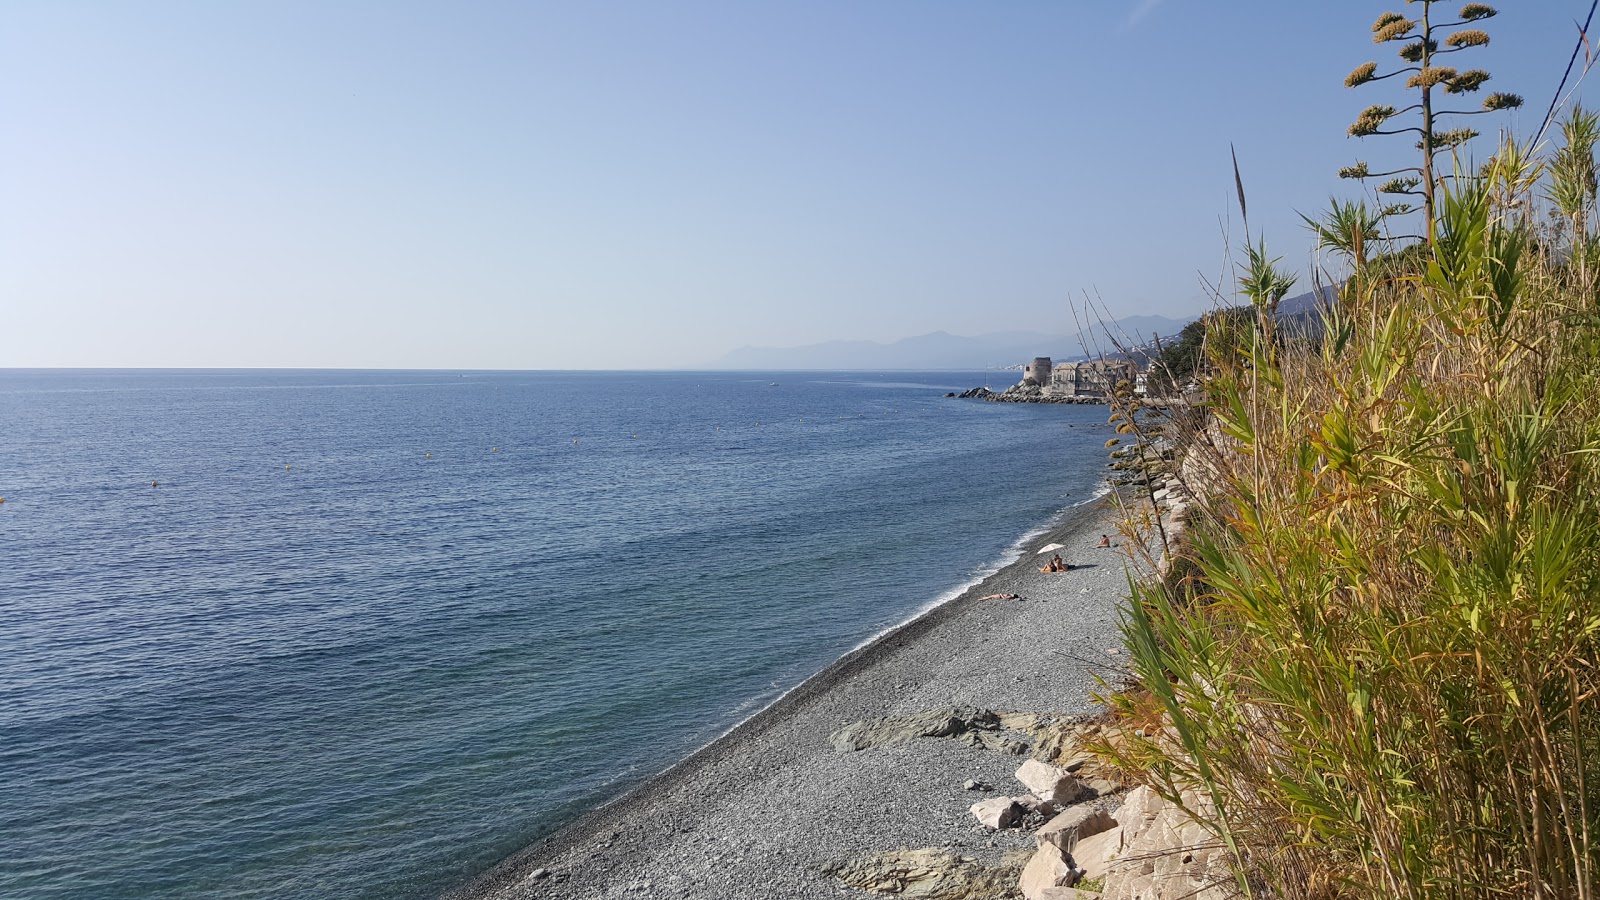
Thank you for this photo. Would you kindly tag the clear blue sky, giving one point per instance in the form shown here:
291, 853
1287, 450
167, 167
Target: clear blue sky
652, 183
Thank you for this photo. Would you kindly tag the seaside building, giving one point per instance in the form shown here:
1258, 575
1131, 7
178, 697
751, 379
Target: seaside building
1038, 371
1095, 379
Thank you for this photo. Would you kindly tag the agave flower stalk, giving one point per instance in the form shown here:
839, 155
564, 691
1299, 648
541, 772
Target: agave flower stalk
1423, 41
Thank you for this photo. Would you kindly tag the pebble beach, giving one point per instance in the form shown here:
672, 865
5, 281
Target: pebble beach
763, 811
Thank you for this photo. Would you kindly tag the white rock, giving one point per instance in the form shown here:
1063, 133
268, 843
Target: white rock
1139, 810
1095, 853
1156, 853
1049, 868
1038, 805
1050, 783
1064, 831
1065, 893
998, 812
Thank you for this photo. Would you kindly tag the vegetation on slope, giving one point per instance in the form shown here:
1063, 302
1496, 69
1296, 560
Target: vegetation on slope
1381, 660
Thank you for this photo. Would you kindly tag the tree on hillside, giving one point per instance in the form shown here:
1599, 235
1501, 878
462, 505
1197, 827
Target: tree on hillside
1185, 357
1420, 41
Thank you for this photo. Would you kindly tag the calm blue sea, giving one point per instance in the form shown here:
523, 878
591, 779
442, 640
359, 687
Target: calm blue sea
370, 632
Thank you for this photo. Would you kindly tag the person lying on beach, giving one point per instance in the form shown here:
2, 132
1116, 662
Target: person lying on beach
1105, 541
1001, 597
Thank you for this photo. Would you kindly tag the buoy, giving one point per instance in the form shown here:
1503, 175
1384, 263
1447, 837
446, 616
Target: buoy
286, 468
428, 455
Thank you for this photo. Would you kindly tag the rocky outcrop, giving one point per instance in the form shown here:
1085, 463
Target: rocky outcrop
977, 393
930, 874
1033, 393
1155, 852
1145, 850
947, 722
1047, 738
998, 742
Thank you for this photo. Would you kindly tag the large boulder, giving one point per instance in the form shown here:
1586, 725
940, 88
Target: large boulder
1051, 783
999, 812
1157, 852
1065, 830
1047, 870
1095, 853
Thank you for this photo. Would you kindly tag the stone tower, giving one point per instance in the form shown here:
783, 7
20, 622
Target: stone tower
1037, 372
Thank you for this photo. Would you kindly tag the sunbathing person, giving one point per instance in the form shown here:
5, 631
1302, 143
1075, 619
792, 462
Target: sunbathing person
1057, 564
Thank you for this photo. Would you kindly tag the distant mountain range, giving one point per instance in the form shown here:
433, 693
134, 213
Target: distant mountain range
941, 350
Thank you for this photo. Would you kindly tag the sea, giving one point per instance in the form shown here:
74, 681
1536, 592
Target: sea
363, 634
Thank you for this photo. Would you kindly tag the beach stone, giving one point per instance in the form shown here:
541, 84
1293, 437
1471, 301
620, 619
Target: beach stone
1048, 869
926, 874
890, 730
1065, 830
1051, 783
999, 812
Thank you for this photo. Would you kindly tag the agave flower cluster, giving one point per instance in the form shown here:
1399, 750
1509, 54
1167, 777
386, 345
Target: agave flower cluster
1422, 41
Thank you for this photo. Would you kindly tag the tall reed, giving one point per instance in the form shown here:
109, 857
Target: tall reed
1383, 666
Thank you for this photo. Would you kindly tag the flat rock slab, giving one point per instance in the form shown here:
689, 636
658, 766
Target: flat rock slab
926, 874
934, 723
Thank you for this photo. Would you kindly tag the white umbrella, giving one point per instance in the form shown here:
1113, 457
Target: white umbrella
1049, 547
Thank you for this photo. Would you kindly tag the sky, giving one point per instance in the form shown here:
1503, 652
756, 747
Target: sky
650, 184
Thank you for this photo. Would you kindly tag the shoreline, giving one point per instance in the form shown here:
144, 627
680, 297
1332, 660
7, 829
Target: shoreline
581, 859
1015, 551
